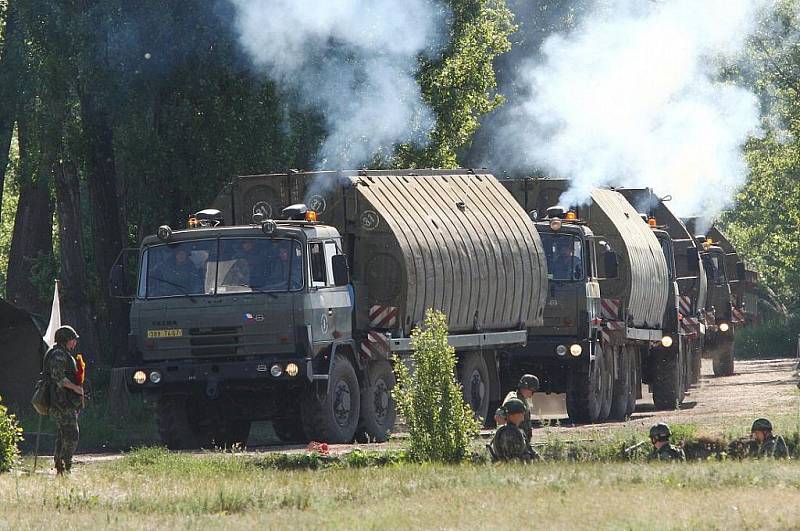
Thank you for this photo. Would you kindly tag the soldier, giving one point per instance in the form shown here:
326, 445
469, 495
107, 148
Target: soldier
663, 450
527, 386
509, 440
769, 445
66, 397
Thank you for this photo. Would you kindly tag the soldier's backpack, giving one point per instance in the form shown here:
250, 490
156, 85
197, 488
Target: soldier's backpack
41, 399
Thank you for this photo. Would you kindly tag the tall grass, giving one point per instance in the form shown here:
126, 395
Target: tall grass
774, 339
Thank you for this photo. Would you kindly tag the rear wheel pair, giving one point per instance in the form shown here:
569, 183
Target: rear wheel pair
590, 389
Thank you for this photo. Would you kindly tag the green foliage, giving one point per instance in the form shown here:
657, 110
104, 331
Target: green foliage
460, 85
10, 437
773, 339
440, 424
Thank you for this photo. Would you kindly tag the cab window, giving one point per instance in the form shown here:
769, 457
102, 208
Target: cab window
316, 256
564, 256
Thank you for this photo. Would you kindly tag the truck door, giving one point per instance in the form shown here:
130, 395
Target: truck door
330, 306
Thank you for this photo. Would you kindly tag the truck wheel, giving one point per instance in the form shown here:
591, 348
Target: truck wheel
474, 376
333, 420
584, 393
723, 363
174, 427
607, 383
622, 387
289, 430
667, 386
377, 405
636, 381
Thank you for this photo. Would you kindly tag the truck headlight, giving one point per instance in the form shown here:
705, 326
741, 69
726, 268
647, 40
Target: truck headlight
561, 350
292, 369
666, 341
276, 370
155, 377
724, 327
139, 377
575, 350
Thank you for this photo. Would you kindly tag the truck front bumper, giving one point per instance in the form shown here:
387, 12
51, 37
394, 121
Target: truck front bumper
554, 348
166, 374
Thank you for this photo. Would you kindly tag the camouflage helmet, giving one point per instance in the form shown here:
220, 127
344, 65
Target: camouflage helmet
515, 405
500, 412
528, 381
761, 424
64, 334
660, 432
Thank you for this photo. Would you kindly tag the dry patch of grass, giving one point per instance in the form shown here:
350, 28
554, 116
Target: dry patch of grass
155, 490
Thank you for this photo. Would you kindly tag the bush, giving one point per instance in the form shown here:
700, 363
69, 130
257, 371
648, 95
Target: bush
773, 339
440, 424
10, 436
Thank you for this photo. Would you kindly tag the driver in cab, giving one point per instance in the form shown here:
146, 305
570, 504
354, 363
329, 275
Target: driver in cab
177, 275
566, 265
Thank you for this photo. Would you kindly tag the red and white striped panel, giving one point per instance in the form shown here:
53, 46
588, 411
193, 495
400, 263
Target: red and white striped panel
609, 309
690, 326
685, 305
383, 316
376, 345
737, 314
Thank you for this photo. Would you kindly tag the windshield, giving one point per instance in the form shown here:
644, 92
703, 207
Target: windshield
564, 256
715, 270
225, 265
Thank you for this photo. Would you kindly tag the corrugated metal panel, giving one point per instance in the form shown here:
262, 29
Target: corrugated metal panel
467, 247
641, 260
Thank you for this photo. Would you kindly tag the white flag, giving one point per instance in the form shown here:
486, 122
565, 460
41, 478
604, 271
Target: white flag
55, 320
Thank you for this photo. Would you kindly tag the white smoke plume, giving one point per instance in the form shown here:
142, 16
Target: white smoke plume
351, 60
633, 97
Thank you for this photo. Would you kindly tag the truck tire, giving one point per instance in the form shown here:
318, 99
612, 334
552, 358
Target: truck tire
667, 384
335, 418
289, 430
378, 409
607, 385
176, 430
622, 387
723, 362
636, 381
474, 377
584, 393
697, 361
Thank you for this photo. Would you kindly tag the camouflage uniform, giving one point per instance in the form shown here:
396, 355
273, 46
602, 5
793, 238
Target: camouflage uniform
509, 443
668, 452
773, 446
64, 405
526, 426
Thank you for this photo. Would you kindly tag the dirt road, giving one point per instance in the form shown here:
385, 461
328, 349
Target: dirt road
717, 405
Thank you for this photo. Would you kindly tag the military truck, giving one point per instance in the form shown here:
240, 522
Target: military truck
292, 314
608, 302
688, 283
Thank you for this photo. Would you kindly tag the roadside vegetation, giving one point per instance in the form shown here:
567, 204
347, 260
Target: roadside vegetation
10, 436
774, 339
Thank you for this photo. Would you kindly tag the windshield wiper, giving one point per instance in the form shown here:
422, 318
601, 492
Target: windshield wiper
179, 286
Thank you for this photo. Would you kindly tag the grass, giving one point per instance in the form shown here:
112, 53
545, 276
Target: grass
155, 489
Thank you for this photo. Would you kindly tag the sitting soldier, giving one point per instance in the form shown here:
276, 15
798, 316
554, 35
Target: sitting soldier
509, 441
662, 449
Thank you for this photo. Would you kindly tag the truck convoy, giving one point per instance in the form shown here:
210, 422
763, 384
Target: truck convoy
288, 299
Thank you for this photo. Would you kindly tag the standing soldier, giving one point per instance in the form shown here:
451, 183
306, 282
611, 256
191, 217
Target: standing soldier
66, 396
527, 386
509, 440
769, 445
662, 449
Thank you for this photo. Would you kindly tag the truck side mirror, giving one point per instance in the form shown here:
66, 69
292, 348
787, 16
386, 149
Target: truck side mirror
118, 286
741, 273
341, 273
692, 260
611, 264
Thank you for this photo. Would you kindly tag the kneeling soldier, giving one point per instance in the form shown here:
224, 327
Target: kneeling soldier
662, 449
769, 445
509, 440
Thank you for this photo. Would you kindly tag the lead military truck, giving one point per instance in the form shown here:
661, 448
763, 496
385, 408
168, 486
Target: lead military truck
257, 311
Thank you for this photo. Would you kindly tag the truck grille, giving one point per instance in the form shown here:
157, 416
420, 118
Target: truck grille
216, 341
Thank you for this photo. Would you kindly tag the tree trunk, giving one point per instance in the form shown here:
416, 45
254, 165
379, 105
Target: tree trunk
32, 239
107, 233
75, 309
10, 62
